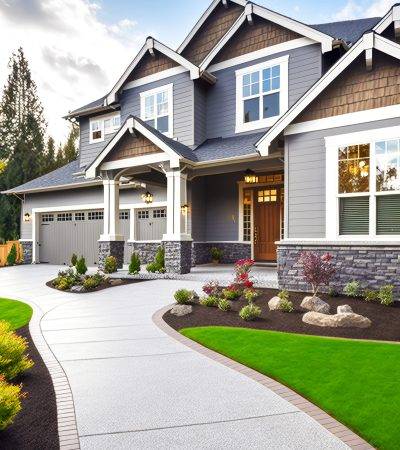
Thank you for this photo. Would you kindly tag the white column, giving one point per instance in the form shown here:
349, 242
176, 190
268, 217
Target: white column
111, 212
35, 238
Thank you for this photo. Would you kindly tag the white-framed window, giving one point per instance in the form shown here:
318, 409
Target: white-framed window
363, 185
143, 214
46, 218
100, 126
124, 215
64, 217
156, 108
159, 213
79, 216
95, 215
261, 94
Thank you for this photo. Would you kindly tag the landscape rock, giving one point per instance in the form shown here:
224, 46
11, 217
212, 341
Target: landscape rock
115, 282
77, 288
181, 310
345, 320
342, 309
315, 304
275, 304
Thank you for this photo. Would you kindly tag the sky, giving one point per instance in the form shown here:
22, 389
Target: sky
77, 49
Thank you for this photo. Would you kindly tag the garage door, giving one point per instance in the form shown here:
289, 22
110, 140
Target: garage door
65, 233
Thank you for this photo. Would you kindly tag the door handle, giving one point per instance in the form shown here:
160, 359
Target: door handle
255, 234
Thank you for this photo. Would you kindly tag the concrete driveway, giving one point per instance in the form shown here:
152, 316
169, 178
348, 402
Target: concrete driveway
135, 387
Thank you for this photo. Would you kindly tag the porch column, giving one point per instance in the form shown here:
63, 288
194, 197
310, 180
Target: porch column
111, 242
177, 240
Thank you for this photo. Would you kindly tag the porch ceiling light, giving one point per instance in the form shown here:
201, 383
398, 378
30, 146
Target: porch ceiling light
27, 217
184, 209
147, 197
250, 177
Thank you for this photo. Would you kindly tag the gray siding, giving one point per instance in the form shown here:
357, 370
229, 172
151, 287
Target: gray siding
200, 121
305, 160
305, 66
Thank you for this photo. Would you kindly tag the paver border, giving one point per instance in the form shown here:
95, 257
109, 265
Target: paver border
66, 419
336, 428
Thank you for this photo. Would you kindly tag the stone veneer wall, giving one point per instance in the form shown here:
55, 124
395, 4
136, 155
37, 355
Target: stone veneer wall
372, 265
232, 251
146, 250
27, 252
111, 248
178, 256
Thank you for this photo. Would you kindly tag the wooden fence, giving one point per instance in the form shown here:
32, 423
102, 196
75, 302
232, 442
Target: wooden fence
5, 250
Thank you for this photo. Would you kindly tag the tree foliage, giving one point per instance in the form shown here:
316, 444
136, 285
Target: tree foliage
317, 269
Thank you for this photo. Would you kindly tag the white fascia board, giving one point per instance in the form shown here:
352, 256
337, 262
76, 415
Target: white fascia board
386, 46
155, 77
392, 15
135, 161
193, 69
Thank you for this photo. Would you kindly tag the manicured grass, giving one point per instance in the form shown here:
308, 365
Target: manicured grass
17, 313
356, 382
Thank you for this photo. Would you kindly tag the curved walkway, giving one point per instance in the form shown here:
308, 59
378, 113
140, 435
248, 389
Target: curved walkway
134, 386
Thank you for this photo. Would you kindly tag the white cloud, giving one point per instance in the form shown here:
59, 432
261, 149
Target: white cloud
351, 10
379, 8
74, 57
356, 10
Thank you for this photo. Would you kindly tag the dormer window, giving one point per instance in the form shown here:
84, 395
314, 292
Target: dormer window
103, 125
156, 108
261, 94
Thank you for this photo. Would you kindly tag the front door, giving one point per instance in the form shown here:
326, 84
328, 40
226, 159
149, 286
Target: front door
267, 221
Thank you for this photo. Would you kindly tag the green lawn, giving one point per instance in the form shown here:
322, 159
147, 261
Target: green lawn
17, 313
356, 382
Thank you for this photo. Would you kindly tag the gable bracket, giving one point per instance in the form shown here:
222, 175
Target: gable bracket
369, 40
248, 10
225, 3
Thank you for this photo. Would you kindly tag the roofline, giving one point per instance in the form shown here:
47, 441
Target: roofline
92, 110
392, 15
368, 41
54, 188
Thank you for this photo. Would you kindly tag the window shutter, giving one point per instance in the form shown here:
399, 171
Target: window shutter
354, 215
388, 214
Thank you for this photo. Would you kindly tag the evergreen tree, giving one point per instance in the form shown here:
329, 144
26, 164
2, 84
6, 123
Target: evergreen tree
50, 156
70, 149
22, 130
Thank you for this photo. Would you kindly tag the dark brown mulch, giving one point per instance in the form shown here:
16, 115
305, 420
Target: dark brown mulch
385, 319
35, 427
100, 287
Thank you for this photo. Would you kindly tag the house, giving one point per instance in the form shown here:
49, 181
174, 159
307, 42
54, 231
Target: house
260, 135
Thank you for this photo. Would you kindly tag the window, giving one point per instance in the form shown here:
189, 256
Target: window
267, 195
156, 108
101, 126
64, 217
261, 94
247, 200
95, 215
47, 218
79, 216
159, 213
124, 215
144, 214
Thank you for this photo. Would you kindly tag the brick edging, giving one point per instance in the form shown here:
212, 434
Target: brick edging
66, 419
339, 430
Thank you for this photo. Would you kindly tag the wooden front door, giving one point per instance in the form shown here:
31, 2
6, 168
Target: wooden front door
267, 220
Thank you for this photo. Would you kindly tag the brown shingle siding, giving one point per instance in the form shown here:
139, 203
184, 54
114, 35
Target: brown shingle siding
356, 89
151, 64
130, 146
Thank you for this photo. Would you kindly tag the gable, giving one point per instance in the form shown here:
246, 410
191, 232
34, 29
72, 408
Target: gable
357, 89
251, 37
212, 30
130, 146
150, 65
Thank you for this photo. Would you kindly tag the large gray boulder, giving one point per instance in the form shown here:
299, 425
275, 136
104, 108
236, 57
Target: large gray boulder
343, 309
315, 304
275, 304
181, 310
345, 320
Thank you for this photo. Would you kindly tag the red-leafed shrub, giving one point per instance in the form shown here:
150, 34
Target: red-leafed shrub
242, 273
318, 269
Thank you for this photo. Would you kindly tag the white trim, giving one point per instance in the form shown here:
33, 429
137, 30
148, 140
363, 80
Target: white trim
46, 209
283, 62
360, 46
155, 77
332, 143
169, 89
135, 161
264, 52
102, 119
392, 15
356, 242
370, 115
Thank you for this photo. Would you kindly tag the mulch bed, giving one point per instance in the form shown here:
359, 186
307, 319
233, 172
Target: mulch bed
100, 287
385, 319
35, 427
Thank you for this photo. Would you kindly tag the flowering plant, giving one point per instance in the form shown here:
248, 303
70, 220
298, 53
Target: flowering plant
211, 288
317, 269
242, 273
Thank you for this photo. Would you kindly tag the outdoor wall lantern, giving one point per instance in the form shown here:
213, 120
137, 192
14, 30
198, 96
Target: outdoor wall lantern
250, 177
147, 197
184, 209
27, 217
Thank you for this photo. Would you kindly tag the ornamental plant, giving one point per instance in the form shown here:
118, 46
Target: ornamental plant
80, 266
158, 265
134, 266
110, 264
386, 295
250, 295
224, 304
183, 296
242, 273
232, 292
352, 289
210, 301
10, 402
318, 269
216, 254
74, 259
250, 312
211, 288
12, 256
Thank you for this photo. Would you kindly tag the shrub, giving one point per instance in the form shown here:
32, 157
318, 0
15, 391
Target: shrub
250, 295
352, 289
152, 267
286, 306
216, 254
385, 295
10, 402
12, 256
13, 358
183, 296
74, 260
224, 304
110, 264
332, 292
284, 295
210, 301
371, 295
80, 266
231, 293
158, 265
134, 266
242, 273
211, 288
317, 269
91, 283
250, 312
63, 283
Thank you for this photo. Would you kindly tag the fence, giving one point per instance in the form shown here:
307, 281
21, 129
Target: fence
5, 250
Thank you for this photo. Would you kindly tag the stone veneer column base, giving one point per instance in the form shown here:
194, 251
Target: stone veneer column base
145, 250
232, 251
111, 248
178, 256
27, 252
372, 265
